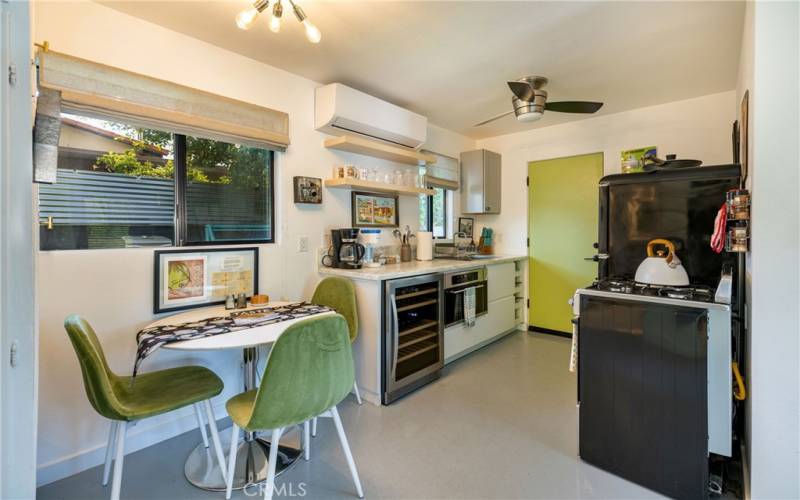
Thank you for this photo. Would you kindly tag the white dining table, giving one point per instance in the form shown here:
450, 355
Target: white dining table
201, 468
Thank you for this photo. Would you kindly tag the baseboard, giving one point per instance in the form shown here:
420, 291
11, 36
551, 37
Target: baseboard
139, 436
548, 331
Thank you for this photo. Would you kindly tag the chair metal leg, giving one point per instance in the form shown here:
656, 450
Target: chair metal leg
212, 424
346, 448
314, 427
201, 424
307, 440
232, 460
273, 460
358, 394
112, 440
119, 451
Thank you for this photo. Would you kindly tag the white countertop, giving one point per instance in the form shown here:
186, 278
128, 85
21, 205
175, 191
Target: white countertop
416, 267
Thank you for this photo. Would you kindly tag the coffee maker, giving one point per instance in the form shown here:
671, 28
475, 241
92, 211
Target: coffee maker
345, 251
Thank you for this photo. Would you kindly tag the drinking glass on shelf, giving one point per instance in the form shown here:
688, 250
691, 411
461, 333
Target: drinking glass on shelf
387, 178
398, 178
373, 175
363, 174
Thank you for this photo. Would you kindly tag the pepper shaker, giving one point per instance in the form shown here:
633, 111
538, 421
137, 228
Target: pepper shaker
241, 301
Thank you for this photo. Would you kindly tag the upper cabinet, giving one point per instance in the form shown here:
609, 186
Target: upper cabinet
480, 182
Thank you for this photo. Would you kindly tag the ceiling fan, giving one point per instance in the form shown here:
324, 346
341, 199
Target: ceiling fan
530, 102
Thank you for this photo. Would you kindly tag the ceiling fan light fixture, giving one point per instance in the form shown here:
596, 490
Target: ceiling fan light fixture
530, 116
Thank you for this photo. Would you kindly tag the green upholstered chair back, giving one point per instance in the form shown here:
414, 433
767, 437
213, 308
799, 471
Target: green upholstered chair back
309, 370
339, 294
98, 379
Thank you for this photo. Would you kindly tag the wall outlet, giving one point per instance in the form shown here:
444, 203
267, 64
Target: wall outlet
302, 244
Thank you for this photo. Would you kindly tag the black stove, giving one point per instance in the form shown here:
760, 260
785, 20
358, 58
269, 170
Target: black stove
696, 293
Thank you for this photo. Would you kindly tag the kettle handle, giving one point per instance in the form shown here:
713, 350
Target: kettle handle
659, 241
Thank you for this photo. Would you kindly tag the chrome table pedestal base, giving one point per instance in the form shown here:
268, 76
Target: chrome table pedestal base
202, 469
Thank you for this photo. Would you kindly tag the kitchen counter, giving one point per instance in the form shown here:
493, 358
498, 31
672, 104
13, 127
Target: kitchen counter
416, 267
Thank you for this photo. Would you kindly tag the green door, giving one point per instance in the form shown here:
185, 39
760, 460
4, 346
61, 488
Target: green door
562, 226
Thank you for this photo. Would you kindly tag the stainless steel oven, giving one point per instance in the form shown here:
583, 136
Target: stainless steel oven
455, 284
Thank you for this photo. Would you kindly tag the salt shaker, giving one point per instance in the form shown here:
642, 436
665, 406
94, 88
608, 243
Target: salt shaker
229, 302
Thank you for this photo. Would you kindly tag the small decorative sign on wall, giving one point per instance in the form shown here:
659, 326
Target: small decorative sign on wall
307, 190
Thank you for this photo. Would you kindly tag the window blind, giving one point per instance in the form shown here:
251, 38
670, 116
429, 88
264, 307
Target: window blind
96, 89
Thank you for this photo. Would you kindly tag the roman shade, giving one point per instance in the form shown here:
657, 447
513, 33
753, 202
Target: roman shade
96, 89
442, 174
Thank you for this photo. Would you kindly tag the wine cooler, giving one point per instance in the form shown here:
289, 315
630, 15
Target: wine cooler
413, 334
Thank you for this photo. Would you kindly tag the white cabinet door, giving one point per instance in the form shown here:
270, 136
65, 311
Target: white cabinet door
501, 279
460, 339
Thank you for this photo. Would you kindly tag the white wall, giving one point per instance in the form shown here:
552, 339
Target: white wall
695, 128
770, 69
113, 288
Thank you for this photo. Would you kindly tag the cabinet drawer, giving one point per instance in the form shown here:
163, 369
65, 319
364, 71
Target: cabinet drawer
501, 280
500, 318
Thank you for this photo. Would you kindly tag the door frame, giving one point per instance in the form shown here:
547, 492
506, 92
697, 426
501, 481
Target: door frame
18, 323
529, 273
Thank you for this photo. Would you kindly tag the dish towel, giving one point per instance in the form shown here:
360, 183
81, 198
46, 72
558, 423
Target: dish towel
469, 306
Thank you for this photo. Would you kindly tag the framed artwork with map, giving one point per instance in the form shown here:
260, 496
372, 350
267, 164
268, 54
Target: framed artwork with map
184, 279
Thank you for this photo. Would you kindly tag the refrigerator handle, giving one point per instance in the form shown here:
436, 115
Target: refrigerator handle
395, 334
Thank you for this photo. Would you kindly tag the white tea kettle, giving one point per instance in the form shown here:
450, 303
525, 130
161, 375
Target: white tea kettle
660, 269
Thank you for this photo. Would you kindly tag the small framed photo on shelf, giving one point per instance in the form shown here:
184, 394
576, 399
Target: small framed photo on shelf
184, 279
374, 210
466, 225
307, 190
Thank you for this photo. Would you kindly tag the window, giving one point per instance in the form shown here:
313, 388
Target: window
434, 212
124, 186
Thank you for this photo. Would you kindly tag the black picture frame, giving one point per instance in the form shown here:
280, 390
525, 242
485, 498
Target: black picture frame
307, 190
357, 196
158, 308
463, 225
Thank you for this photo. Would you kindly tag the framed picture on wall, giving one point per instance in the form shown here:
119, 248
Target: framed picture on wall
374, 210
184, 279
466, 225
307, 190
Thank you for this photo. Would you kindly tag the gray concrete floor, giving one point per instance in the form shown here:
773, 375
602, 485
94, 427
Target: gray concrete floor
500, 423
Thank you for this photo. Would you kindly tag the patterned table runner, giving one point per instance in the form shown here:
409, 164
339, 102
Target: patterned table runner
150, 339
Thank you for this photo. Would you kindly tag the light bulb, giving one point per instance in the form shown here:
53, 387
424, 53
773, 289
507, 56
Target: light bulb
312, 32
274, 24
245, 18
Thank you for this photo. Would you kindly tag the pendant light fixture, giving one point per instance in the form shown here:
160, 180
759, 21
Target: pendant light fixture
246, 18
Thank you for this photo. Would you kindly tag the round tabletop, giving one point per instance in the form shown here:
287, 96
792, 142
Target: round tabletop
249, 337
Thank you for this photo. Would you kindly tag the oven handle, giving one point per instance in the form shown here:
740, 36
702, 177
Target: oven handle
464, 289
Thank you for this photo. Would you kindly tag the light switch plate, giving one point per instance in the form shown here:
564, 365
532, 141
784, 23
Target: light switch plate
302, 244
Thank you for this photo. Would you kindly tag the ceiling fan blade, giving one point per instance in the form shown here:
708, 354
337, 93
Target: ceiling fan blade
523, 90
573, 106
484, 122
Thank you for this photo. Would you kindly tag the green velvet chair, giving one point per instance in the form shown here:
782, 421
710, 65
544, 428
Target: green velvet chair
308, 372
116, 398
340, 295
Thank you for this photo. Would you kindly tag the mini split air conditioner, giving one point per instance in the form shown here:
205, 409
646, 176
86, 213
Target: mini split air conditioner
341, 110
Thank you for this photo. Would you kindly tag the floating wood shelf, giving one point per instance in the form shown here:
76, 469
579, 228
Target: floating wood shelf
359, 145
379, 187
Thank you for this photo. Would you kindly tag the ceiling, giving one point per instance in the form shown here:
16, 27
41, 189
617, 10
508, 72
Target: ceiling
450, 60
